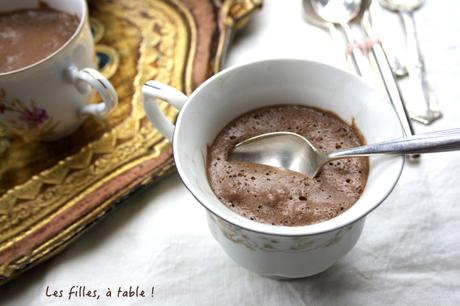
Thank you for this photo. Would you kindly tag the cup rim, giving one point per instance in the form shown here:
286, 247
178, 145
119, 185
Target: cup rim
84, 17
268, 229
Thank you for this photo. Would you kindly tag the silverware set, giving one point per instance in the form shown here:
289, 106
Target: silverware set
369, 59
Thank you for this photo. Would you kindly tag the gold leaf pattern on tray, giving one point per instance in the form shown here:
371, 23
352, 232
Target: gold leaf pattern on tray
28, 203
43, 183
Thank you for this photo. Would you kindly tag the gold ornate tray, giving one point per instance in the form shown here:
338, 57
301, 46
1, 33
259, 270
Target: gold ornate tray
50, 193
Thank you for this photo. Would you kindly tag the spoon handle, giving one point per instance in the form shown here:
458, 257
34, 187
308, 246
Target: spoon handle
418, 86
441, 141
354, 49
387, 77
377, 53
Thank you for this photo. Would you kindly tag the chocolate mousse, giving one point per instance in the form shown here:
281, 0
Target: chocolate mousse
29, 35
279, 196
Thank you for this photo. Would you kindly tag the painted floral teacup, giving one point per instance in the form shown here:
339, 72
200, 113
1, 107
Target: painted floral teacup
49, 99
277, 251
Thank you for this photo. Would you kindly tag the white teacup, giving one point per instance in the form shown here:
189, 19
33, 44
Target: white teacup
49, 99
277, 251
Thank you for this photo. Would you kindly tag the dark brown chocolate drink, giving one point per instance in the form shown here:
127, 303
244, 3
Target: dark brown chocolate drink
27, 36
282, 197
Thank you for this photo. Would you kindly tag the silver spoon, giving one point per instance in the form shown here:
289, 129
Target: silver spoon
294, 152
427, 111
341, 12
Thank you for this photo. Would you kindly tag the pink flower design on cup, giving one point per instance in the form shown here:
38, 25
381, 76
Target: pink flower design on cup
34, 117
26, 119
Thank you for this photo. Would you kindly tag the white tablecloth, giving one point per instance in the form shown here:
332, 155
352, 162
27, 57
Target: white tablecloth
409, 252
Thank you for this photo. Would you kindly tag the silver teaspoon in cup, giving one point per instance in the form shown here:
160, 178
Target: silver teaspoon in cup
294, 152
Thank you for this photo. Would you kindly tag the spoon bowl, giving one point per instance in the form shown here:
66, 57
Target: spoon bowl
310, 16
337, 11
282, 150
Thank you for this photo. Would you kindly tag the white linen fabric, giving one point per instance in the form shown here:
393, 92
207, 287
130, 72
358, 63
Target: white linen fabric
408, 254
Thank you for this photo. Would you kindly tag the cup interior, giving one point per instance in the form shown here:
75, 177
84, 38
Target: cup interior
74, 7
238, 90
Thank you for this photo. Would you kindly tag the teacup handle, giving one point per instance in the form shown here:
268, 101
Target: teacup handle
86, 78
153, 90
